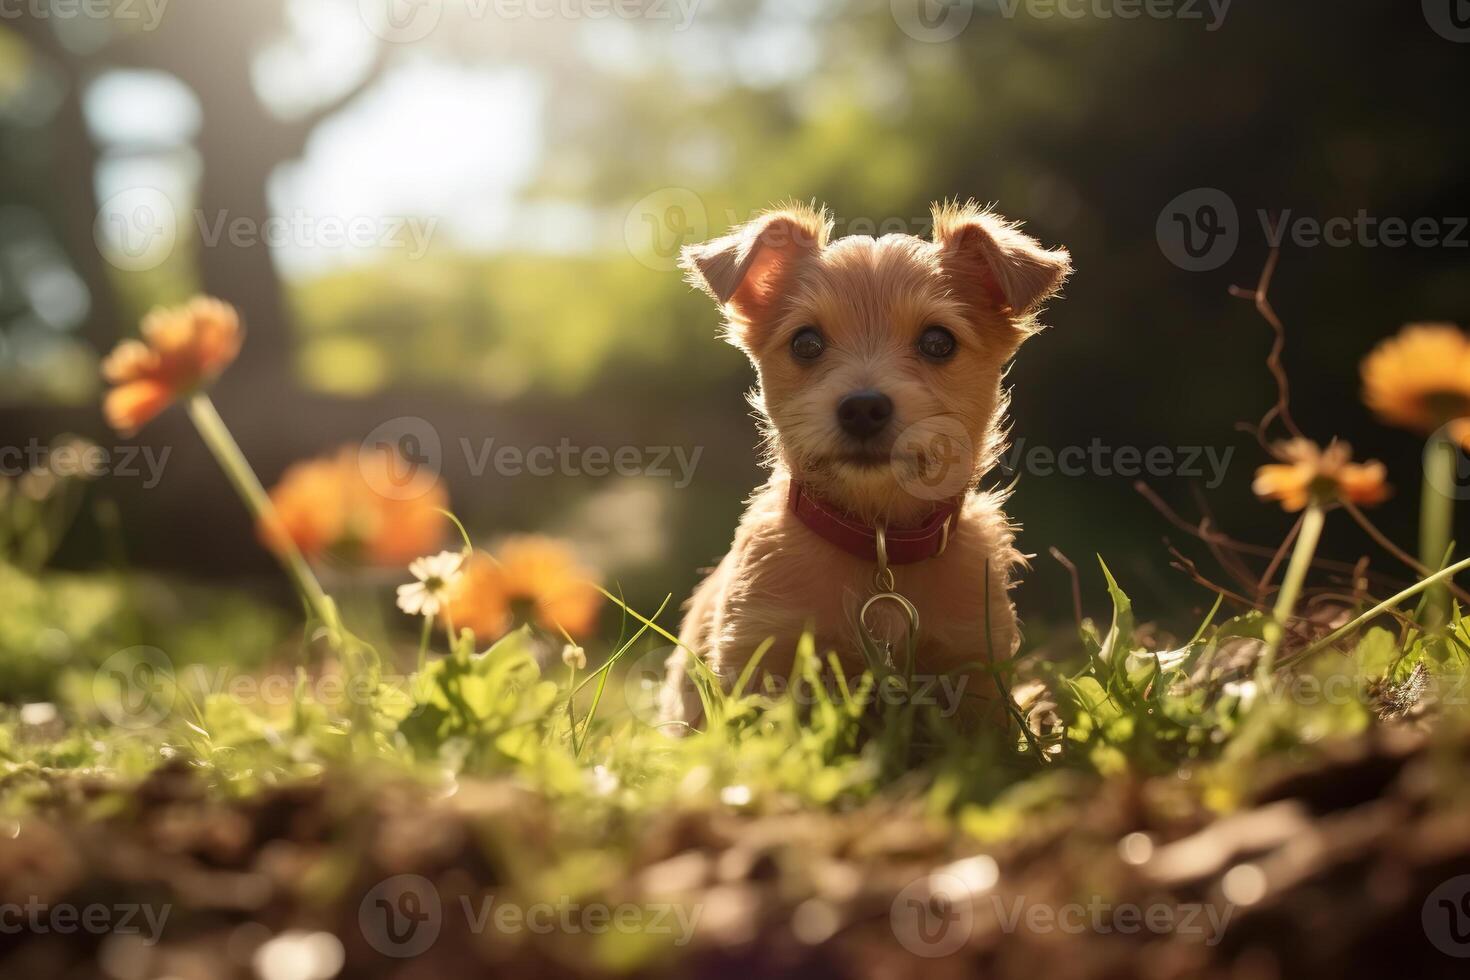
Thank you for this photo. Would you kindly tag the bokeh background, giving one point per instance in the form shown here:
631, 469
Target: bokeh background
476, 206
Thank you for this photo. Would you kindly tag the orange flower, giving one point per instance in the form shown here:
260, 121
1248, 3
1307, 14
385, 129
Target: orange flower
1307, 471
182, 348
533, 571
365, 505
1420, 380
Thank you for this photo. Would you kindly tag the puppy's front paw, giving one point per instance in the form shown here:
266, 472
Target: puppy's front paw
679, 707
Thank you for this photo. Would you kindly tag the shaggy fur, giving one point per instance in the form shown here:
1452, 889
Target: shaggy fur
983, 280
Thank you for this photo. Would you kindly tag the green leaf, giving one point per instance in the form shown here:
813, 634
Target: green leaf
1376, 653
1119, 641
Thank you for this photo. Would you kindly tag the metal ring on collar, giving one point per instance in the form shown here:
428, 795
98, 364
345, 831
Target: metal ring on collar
909, 610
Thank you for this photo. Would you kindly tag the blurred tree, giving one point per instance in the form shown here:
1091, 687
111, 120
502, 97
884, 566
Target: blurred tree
51, 160
209, 45
1086, 127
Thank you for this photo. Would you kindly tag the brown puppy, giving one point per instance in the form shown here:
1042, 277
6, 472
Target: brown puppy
879, 365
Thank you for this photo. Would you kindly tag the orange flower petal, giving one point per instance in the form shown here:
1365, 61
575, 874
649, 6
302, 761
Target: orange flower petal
1329, 474
573, 609
129, 361
481, 600
1413, 379
131, 406
337, 504
1288, 483
180, 349
1364, 483
541, 572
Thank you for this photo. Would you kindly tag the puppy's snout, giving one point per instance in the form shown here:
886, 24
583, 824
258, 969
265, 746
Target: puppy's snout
864, 414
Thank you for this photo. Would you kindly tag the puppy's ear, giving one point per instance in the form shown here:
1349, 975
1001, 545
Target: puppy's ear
749, 270
993, 263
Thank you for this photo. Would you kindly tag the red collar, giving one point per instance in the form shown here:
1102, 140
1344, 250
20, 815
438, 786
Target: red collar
905, 545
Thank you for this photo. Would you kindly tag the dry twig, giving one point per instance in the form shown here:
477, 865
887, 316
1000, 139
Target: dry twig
1260, 296
1066, 563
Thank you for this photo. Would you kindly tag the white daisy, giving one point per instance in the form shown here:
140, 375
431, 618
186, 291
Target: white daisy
436, 575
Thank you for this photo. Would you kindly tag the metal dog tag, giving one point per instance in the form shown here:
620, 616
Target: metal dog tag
910, 611
885, 591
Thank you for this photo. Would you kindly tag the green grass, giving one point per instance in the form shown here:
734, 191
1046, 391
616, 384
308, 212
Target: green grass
1106, 708
567, 787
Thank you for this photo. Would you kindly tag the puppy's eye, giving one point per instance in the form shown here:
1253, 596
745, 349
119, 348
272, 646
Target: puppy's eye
936, 343
807, 345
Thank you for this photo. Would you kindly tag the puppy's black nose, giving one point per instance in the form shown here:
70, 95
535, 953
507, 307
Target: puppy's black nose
864, 414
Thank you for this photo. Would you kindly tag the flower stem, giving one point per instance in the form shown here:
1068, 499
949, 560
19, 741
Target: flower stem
428, 630
1291, 588
227, 453
1436, 520
1442, 575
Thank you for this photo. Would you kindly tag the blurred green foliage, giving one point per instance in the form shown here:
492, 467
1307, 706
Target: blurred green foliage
485, 327
1085, 127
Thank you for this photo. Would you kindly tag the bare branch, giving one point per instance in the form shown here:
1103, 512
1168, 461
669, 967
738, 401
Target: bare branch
1186, 565
1260, 296
1380, 539
1066, 563
1204, 533
1228, 560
